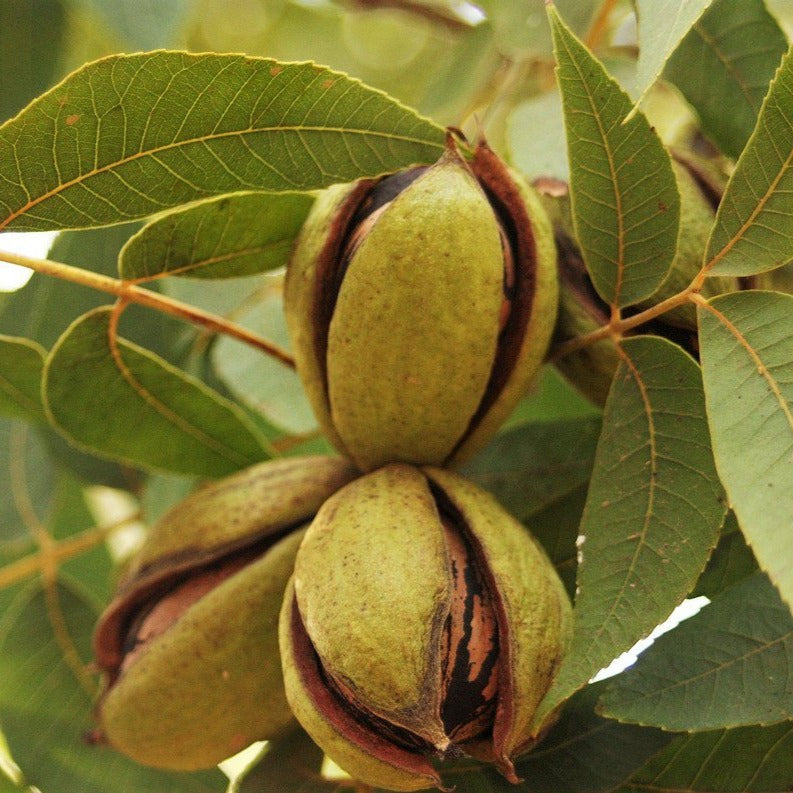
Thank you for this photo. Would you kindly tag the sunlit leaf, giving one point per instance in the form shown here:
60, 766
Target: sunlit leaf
747, 361
46, 703
130, 405
736, 48
626, 206
727, 666
743, 760
131, 135
754, 223
21, 362
234, 235
662, 26
653, 510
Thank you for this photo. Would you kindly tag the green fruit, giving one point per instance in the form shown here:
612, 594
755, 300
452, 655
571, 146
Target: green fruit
423, 620
189, 643
420, 307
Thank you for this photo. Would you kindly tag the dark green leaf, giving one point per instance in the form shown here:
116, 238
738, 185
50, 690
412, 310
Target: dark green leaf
743, 760
653, 510
289, 765
531, 466
31, 36
746, 344
21, 363
132, 406
46, 703
583, 753
731, 562
626, 206
234, 235
131, 135
754, 224
736, 48
727, 666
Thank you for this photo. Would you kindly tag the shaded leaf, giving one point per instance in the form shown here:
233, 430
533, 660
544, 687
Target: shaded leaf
626, 206
743, 760
234, 235
731, 562
259, 380
21, 363
754, 223
653, 510
46, 703
291, 764
132, 406
131, 135
662, 26
736, 48
27, 481
536, 130
746, 344
31, 37
583, 753
728, 666
529, 467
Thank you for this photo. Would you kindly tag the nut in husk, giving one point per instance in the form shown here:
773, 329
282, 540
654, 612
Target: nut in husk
423, 621
189, 643
420, 307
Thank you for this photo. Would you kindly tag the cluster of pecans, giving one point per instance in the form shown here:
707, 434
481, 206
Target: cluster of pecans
393, 608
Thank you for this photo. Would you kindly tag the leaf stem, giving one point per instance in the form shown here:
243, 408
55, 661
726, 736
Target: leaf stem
598, 28
618, 327
59, 551
145, 297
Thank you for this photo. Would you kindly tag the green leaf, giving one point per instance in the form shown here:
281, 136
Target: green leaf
259, 380
653, 510
21, 362
533, 465
27, 481
47, 701
132, 406
731, 562
291, 764
234, 235
31, 38
727, 666
626, 206
754, 223
662, 26
131, 135
743, 760
746, 342
583, 753
736, 48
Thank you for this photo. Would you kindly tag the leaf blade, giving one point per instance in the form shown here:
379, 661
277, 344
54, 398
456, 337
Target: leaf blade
727, 666
132, 406
747, 352
21, 365
737, 48
235, 235
131, 135
753, 231
653, 510
626, 206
